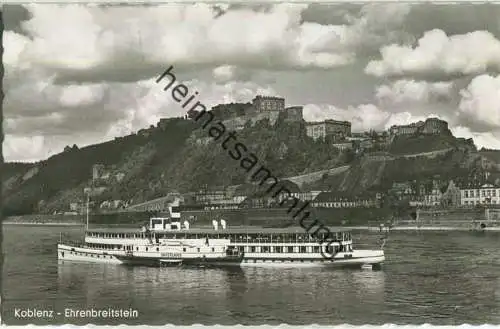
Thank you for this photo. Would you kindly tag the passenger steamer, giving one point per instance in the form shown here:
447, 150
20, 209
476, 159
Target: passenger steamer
174, 243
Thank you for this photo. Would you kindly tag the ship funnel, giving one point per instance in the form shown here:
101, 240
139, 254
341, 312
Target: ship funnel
174, 208
223, 224
186, 225
174, 212
215, 224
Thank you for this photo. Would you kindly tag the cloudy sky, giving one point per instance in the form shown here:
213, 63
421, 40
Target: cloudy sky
80, 74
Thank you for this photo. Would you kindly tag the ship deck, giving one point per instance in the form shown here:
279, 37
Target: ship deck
231, 230
236, 234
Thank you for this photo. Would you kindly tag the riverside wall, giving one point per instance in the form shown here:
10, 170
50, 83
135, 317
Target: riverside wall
129, 219
277, 217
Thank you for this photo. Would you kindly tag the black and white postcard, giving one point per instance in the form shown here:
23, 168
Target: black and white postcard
251, 164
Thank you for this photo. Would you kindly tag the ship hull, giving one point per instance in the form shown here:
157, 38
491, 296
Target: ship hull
84, 254
196, 262
356, 259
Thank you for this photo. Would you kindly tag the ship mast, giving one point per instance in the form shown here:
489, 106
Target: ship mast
88, 202
92, 184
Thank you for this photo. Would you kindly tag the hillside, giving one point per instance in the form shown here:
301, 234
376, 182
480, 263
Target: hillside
62, 172
492, 155
402, 145
178, 156
369, 174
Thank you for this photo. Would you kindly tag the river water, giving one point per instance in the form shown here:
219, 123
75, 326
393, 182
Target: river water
445, 278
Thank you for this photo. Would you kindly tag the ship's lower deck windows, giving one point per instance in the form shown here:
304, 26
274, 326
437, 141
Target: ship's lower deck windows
104, 246
285, 249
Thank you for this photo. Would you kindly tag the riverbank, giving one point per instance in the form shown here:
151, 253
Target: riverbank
42, 224
416, 228
441, 228
267, 219
130, 219
348, 228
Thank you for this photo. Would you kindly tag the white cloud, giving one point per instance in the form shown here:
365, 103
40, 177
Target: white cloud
383, 16
24, 148
405, 118
224, 72
403, 91
74, 95
161, 104
490, 140
37, 96
124, 108
99, 37
79, 43
111, 53
379, 24
232, 92
108, 40
480, 103
363, 117
89, 75
14, 45
437, 53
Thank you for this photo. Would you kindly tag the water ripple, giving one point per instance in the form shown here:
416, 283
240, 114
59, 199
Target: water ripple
444, 278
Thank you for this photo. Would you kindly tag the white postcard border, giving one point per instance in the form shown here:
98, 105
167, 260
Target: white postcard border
281, 326
444, 2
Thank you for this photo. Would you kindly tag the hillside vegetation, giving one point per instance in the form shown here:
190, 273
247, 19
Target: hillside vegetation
176, 158
421, 144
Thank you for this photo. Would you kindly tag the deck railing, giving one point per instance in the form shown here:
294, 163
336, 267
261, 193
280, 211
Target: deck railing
74, 243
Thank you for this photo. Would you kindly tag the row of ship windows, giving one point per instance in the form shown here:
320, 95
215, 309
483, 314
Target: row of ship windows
291, 249
285, 260
117, 235
264, 249
86, 254
246, 260
291, 237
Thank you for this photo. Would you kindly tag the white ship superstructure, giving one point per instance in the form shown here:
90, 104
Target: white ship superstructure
174, 243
